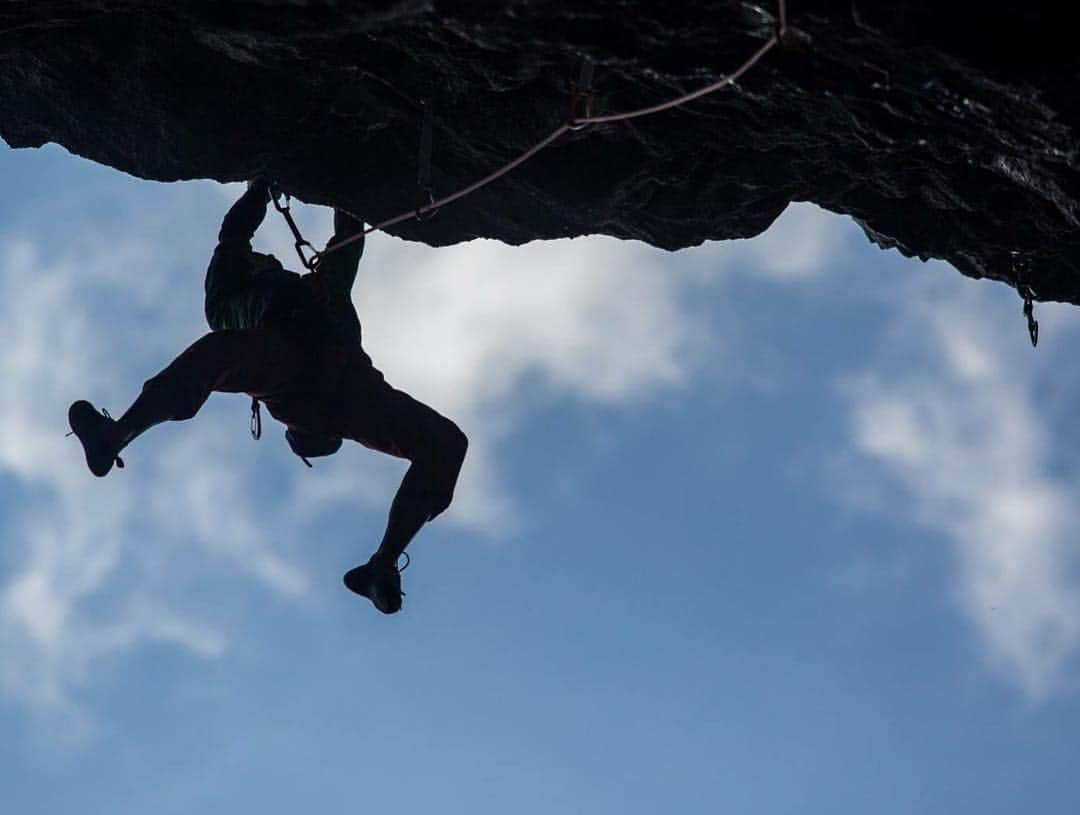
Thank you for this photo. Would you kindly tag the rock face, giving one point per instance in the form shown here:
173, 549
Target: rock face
946, 130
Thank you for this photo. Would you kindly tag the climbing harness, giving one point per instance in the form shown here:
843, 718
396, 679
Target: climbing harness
581, 97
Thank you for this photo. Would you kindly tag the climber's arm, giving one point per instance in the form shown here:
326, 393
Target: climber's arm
338, 269
232, 301
246, 214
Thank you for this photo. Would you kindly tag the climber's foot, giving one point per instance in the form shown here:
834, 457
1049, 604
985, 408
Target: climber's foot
379, 582
97, 432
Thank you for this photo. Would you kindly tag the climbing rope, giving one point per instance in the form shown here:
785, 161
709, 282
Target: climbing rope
581, 97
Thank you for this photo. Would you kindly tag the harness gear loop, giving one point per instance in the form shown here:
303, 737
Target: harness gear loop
423, 168
281, 204
583, 90
256, 419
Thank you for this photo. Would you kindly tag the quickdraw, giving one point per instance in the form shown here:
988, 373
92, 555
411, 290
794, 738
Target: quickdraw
425, 207
256, 420
1029, 313
1020, 266
281, 204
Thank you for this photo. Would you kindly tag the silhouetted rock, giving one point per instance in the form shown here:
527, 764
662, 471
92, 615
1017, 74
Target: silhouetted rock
946, 129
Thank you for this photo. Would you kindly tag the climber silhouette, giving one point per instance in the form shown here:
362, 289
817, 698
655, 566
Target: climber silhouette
293, 343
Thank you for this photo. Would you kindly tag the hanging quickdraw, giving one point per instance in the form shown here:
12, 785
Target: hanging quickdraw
1020, 266
1029, 313
256, 420
425, 208
281, 204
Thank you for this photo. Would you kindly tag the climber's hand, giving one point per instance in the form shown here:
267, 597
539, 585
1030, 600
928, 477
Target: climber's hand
261, 184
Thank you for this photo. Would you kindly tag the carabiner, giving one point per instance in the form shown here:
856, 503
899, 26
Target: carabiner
310, 263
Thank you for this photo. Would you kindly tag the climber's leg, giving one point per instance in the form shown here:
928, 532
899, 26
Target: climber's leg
393, 422
250, 361
436, 448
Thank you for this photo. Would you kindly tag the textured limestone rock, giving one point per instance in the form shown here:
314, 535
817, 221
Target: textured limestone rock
946, 132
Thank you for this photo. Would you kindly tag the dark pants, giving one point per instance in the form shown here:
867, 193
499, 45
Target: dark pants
322, 389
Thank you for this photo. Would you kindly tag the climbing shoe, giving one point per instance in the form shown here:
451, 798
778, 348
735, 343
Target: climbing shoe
97, 432
378, 582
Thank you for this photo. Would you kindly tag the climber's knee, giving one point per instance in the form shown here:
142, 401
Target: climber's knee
455, 445
435, 466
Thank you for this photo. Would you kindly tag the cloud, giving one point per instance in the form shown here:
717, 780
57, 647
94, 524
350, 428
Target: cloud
82, 582
949, 411
591, 320
804, 243
468, 328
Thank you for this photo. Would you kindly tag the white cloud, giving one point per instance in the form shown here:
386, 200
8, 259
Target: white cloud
950, 411
803, 243
465, 328
82, 582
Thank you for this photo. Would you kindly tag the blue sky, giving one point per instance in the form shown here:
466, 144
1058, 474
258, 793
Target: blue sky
782, 525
